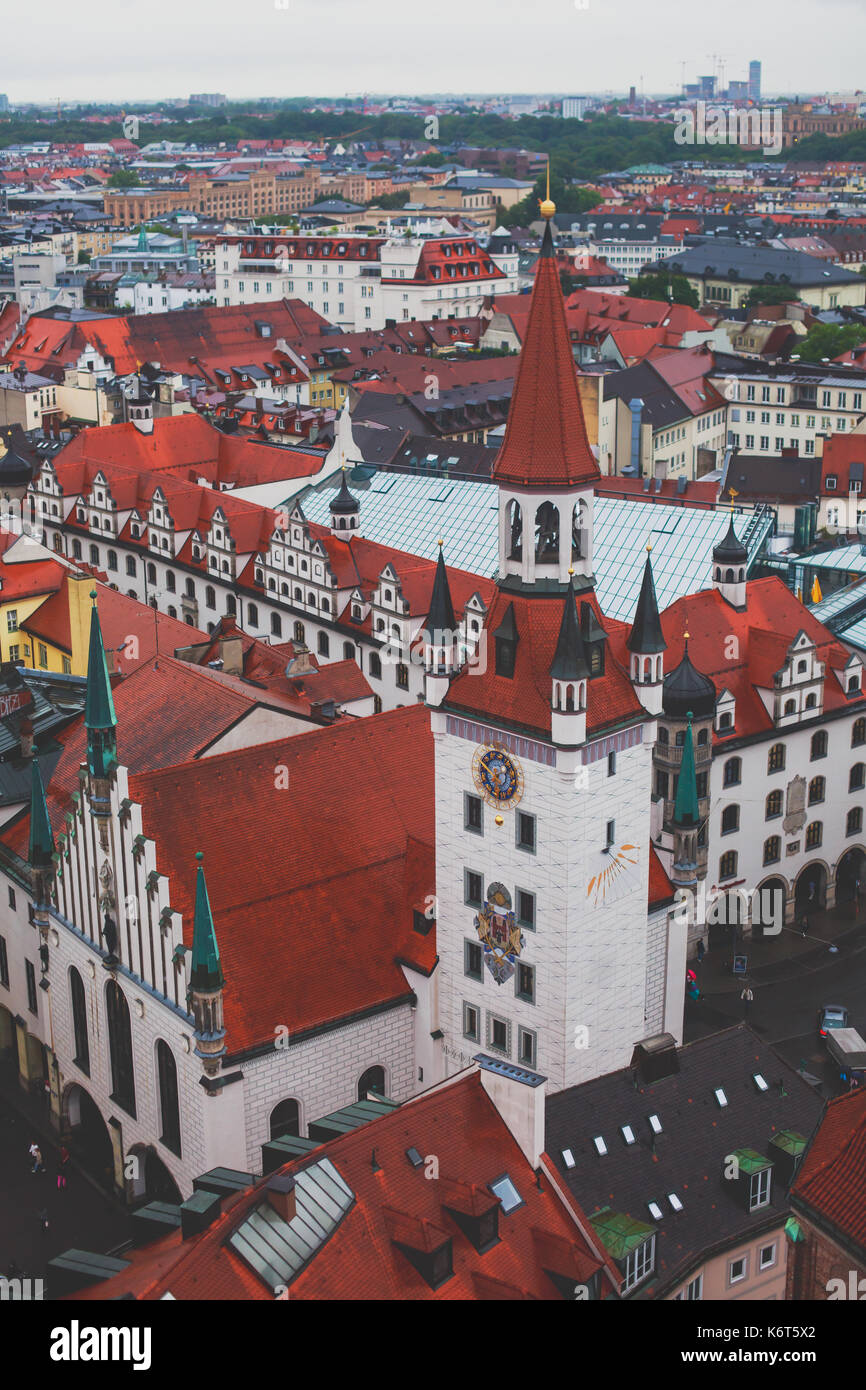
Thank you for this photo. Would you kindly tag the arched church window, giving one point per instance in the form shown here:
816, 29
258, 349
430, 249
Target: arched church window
120, 1048
169, 1108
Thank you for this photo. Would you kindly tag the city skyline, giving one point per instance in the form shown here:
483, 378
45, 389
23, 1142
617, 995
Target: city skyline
562, 51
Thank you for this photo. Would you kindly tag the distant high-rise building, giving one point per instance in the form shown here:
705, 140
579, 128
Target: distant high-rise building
754, 81
574, 108
632, 96
207, 99
4, 102
707, 85
738, 91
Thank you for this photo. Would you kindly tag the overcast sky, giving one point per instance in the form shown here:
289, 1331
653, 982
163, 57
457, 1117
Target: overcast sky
124, 50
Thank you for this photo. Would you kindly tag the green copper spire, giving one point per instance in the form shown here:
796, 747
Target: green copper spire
99, 717
206, 971
41, 837
142, 239
686, 804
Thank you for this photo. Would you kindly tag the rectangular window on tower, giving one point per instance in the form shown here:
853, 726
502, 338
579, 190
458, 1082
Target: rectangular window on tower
472, 959
473, 888
525, 832
473, 813
525, 908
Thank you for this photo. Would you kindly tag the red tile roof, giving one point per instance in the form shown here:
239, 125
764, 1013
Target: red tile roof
546, 443
840, 451
524, 699
457, 1123
331, 920
832, 1180
30, 578
740, 651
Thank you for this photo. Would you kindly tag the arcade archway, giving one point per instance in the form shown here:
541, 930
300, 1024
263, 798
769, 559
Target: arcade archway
850, 869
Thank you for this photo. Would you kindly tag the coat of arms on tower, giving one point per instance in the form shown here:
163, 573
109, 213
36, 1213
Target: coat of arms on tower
500, 936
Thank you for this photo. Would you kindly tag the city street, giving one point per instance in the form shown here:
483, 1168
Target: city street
79, 1217
784, 1011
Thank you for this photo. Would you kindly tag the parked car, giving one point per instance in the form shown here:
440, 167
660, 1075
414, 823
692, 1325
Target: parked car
831, 1016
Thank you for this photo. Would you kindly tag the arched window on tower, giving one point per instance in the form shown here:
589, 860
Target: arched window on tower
169, 1109
373, 1079
285, 1119
515, 531
547, 534
120, 1048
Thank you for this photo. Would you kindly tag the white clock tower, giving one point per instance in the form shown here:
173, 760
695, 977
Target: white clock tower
543, 764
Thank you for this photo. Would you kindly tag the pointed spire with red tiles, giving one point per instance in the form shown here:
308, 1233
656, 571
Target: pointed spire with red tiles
546, 444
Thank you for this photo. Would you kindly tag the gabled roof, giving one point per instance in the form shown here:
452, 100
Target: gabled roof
831, 1184
539, 1254
546, 443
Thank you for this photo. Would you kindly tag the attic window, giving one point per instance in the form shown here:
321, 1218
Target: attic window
720, 1097
568, 1158
504, 1189
628, 1134
760, 1081
600, 1146
831, 482
655, 1211
675, 1201
414, 1158
421, 923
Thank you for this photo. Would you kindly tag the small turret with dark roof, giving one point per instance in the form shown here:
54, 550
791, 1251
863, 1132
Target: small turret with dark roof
729, 550
441, 616
345, 510
569, 659
646, 634
686, 689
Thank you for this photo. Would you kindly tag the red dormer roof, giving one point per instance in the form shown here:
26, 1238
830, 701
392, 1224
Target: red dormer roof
546, 443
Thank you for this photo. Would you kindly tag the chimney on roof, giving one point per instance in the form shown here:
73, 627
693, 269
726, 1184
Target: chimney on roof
518, 1095
26, 735
281, 1194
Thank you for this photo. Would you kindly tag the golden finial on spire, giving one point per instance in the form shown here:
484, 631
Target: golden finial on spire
649, 547
732, 493
440, 542
546, 206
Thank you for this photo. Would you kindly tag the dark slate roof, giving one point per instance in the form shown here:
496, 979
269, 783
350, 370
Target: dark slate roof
661, 404
440, 618
686, 689
569, 659
646, 631
730, 549
756, 265
687, 1157
786, 479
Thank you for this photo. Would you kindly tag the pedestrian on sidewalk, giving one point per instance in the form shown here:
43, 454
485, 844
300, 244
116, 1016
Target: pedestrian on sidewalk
856, 896
747, 997
700, 949
61, 1180
804, 924
42, 1218
36, 1156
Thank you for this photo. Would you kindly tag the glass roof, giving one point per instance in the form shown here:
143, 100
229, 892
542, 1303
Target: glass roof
411, 512
277, 1250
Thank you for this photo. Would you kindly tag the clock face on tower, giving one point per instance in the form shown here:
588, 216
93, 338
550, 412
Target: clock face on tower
497, 776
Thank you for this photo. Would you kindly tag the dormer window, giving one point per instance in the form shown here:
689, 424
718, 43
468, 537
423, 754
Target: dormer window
831, 482
505, 639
